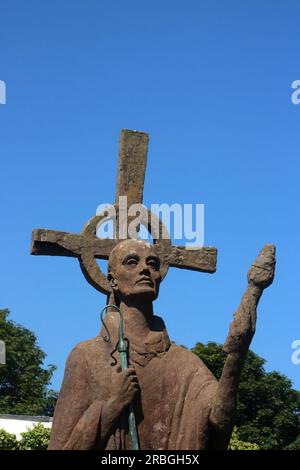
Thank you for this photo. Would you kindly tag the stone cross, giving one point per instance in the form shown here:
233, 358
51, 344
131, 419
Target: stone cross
87, 247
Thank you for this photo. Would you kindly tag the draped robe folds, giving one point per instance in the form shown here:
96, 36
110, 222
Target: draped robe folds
172, 408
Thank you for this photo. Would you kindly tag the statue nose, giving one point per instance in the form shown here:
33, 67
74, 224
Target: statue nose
144, 267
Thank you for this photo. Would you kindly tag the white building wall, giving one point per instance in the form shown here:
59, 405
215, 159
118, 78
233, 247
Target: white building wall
17, 424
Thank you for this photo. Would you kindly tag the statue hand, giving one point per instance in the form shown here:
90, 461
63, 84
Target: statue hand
124, 386
260, 276
261, 273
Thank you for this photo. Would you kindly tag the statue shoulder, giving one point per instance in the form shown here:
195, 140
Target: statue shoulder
187, 359
83, 350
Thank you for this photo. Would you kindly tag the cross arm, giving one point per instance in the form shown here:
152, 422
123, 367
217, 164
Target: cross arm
133, 147
57, 243
201, 259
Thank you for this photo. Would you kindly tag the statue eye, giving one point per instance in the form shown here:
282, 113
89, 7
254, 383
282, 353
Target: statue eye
131, 261
153, 263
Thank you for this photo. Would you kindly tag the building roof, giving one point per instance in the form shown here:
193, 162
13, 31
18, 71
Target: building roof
44, 419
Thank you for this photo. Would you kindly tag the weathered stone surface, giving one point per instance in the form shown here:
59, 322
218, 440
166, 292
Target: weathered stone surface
201, 259
261, 272
177, 401
260, 276
170, 387
56, 243
133, 148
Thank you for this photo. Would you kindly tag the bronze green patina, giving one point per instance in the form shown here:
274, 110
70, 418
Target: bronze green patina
123, 351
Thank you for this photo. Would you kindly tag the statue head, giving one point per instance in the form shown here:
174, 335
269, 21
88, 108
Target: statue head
134, 271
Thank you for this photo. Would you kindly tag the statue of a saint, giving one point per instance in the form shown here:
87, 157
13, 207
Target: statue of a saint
178, 402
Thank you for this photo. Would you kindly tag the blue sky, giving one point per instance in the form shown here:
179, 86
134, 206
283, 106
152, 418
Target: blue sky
211, 83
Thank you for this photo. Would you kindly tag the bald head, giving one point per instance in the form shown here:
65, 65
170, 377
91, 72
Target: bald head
134, 269
125, 247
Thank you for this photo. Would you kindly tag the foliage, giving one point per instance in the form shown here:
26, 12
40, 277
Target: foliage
268, 407
295, 445
36, 438
236, 444
49, 403
23, 380
8, 441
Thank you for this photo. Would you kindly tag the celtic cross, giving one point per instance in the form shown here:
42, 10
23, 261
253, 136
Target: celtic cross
88, 247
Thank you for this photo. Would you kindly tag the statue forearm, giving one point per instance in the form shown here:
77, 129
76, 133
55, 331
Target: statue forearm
236, 346
84, 433
243, 326
223, 408
111, 411
96, 424
240, 334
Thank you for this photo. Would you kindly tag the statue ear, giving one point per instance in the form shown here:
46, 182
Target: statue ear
112, 280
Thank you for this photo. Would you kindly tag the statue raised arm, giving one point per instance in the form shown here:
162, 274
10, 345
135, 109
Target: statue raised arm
236, 346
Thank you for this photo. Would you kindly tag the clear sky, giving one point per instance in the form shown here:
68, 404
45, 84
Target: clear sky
211, 83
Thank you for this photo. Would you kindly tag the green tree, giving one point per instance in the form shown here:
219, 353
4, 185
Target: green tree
49, 403
295, 445
236, 443
8, 441
268, 407
36, 438
23, 380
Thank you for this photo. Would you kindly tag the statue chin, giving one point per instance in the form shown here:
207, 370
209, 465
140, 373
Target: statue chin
142, 295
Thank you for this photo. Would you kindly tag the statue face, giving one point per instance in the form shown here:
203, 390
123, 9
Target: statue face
135, 270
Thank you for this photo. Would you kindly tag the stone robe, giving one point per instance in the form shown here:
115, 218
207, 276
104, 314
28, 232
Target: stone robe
172, 408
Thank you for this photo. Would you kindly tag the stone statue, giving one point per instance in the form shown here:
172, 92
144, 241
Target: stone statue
178, 402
